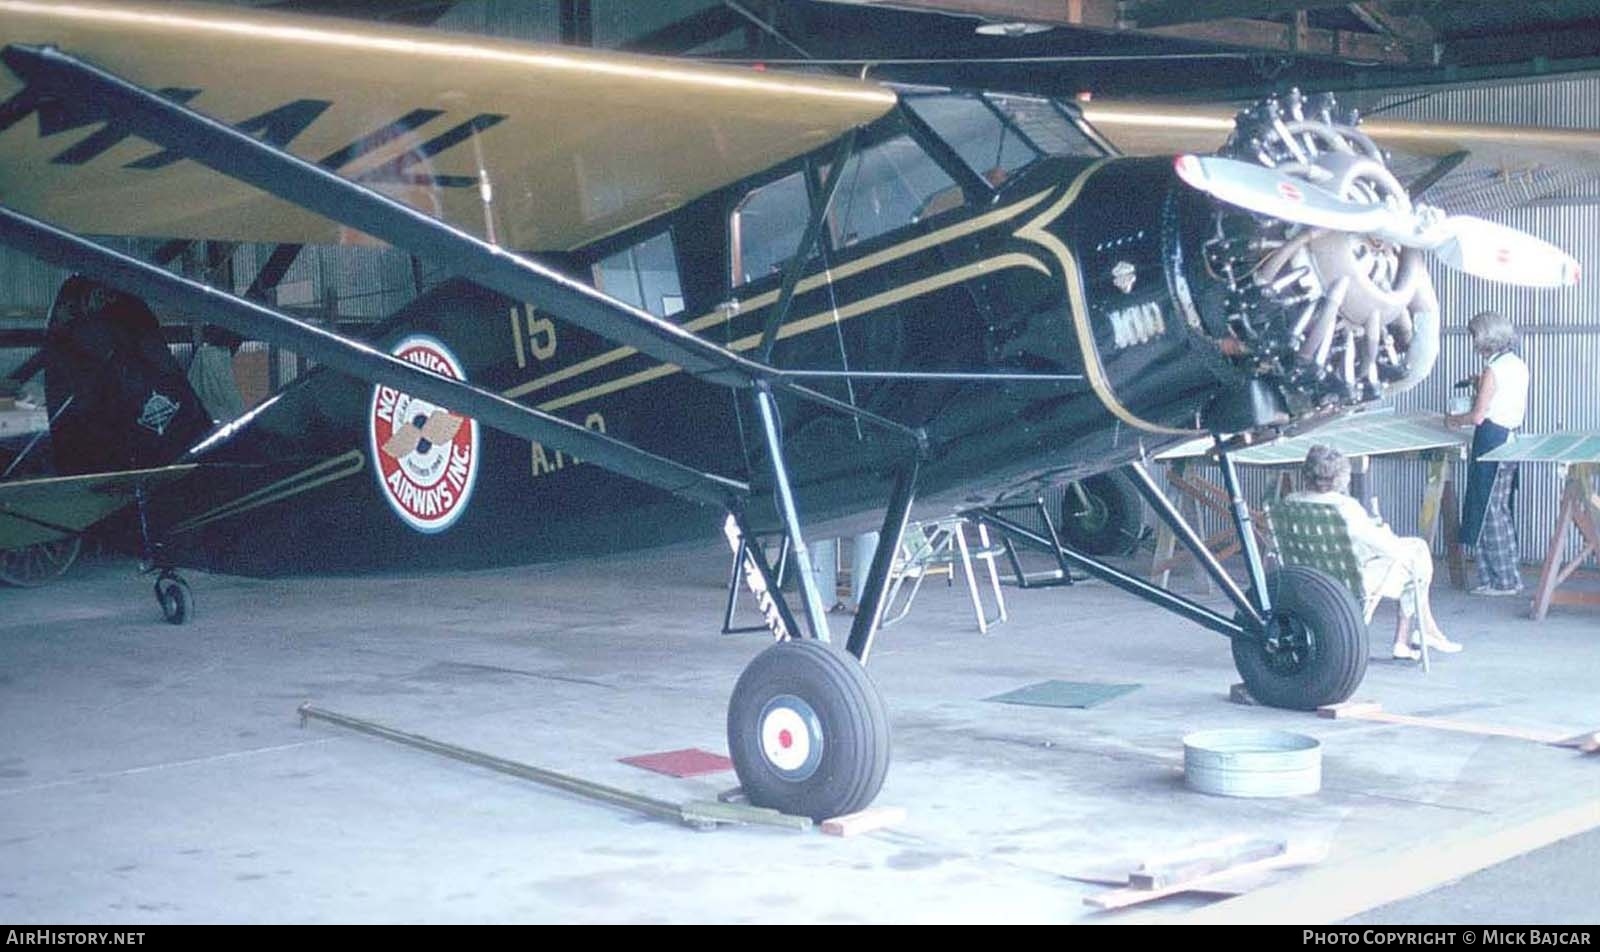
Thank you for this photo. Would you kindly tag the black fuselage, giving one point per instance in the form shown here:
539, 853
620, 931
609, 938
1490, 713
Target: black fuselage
1077, 266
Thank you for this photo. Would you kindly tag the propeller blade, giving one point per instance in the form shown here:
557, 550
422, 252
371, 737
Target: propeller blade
1481, 248
1499, 252
1268, 192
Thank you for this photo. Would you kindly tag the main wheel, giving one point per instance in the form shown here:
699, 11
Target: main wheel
1103, 515
175, 599
808, 731
1314, 651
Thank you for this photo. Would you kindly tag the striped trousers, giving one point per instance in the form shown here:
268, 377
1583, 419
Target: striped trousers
1497, 543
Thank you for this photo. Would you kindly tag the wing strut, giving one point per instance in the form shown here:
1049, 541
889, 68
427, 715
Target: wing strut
258, 322
101, 94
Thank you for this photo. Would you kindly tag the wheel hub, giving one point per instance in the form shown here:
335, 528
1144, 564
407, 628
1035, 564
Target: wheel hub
791, 737
1095, 515
1289, 645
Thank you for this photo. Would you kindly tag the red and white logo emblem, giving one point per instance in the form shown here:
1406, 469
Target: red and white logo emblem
1290, 192
425, 457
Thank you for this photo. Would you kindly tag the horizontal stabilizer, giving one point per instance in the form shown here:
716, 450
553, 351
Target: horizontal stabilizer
43, 510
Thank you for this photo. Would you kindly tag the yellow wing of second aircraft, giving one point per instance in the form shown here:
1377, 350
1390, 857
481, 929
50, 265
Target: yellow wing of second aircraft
1169, 128
536, 147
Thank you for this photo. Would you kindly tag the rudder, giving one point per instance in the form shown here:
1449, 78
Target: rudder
117, 397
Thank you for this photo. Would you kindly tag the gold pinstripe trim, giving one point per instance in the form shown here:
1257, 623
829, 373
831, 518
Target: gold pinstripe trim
289, 486
1037, 232
815, 321
843, 272
352, 462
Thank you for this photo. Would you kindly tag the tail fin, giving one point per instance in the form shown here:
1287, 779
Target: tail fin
117, 397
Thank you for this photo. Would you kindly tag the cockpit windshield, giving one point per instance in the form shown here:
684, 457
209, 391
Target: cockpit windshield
997, 134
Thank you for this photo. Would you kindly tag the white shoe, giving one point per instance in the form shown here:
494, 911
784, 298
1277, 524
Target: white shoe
1437, 643
1406, 653
1492, 591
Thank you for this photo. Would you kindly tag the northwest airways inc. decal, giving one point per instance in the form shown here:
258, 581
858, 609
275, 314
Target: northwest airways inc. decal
425, 457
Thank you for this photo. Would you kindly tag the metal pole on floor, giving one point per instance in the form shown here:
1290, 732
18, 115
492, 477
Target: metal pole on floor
700, 815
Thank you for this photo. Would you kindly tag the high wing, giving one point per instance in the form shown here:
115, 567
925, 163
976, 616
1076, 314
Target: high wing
43, 510
533, 147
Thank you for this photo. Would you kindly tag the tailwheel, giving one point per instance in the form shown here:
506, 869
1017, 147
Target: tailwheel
1103, 515
174, 597
1314, 651
808, 731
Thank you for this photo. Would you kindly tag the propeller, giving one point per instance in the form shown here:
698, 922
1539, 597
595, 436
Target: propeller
1475, 246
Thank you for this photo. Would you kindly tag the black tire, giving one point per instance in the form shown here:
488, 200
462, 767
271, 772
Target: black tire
1108, 519
1315, 650
175, 599
825, 715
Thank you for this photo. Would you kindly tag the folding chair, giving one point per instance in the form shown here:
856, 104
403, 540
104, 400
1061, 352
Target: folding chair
1315, 535
935, 548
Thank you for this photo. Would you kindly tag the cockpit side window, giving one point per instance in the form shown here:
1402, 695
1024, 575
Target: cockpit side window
644, 275
887, 186
767, 227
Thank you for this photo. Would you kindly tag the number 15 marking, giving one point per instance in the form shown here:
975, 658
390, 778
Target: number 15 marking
531, 335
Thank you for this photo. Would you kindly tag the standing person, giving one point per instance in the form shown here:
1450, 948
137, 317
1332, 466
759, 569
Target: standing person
1501, 405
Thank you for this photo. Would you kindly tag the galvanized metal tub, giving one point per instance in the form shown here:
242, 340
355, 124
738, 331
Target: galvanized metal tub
1252, 763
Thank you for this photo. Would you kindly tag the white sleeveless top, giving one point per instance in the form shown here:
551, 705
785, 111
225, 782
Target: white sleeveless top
1509, 405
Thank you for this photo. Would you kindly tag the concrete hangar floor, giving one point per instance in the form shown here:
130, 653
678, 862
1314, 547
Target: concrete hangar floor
158, 774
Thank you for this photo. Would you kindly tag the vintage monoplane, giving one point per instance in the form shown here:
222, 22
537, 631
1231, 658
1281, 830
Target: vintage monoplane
682, 293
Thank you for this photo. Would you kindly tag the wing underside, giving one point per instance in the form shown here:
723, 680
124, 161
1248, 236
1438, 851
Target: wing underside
534, 147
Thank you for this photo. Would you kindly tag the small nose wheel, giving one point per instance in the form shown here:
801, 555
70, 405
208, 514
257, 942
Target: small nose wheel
174, 597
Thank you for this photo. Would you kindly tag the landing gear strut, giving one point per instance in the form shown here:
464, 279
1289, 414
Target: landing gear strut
1298, 637
172, 592
807, 729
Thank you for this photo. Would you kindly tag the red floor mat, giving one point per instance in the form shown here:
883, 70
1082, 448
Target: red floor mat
690, 762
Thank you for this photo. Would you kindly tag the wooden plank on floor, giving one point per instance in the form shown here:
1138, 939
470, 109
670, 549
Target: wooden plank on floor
1129, 896
872, 818
1349, 709
1335, 893
1374, 712
1204, 860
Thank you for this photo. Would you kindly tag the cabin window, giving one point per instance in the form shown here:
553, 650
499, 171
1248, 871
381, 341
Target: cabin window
1044, 126
767, 228
887, 186
644, 275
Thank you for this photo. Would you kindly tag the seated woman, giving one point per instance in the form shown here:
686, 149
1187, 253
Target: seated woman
1391, 566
